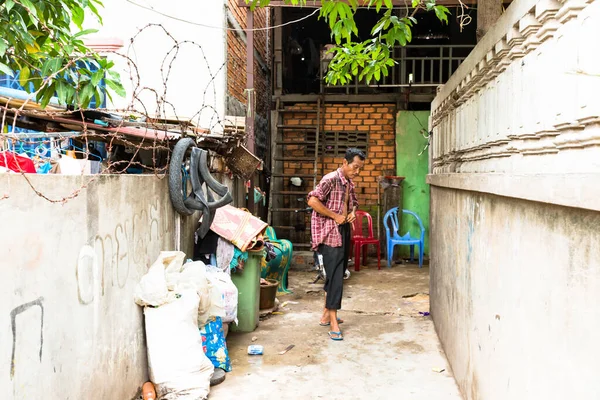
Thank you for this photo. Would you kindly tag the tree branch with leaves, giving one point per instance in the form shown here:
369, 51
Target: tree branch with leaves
370, 59
36, 39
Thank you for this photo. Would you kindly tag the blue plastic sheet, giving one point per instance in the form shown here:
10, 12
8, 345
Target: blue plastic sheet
214, 344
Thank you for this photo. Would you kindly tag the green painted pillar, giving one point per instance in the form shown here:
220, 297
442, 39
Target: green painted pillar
412, 162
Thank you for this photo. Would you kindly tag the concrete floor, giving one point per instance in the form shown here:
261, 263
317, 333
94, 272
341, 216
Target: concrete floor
389, 350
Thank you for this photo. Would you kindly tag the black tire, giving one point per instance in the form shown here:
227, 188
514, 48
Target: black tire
175, 176
207, 217
211, 182
223, 201
197, 181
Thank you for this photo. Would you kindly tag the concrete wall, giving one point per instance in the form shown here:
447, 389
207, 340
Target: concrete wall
69, 327
411, 126
515, 207
515, 294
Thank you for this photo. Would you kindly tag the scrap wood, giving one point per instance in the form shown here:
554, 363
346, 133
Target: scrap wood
291, 346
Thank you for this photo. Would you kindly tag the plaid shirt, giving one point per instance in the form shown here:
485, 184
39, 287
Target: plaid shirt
331, 191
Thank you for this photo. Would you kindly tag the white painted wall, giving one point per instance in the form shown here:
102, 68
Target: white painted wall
69, 328
196, 82
525, 101
515, 207
515, 294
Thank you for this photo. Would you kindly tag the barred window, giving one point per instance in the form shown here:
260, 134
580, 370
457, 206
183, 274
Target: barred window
335, 143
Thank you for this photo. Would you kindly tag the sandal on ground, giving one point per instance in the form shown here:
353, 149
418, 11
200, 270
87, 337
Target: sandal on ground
340, 321
336, 335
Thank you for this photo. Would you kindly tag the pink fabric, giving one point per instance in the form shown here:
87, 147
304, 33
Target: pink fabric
239, 227
331, 191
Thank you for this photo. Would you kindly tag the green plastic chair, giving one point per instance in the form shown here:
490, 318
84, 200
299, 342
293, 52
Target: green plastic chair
278, 267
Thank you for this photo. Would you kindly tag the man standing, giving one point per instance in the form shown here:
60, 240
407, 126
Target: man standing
334, 203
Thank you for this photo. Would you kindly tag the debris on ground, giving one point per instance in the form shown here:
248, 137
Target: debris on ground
413, 303
291, 346
255, 350
438, 370
264, 314
254, 338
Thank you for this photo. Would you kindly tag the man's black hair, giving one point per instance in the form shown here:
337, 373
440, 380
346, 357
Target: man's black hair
353, 152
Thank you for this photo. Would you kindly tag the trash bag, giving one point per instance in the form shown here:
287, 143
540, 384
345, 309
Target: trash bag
169, 276
157, 285
224, 294
177, 364
193, 276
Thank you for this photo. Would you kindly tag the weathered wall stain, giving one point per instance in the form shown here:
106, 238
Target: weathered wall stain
86, 284
85, 272
13, 322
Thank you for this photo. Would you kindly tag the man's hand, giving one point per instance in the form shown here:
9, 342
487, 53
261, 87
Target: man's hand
339, 219
351, 217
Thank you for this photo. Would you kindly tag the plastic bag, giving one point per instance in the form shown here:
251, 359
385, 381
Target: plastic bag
156, 287
177, 364
224, 294
193, 276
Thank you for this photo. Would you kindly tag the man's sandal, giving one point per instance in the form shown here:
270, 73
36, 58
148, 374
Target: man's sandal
340, 321
336, 335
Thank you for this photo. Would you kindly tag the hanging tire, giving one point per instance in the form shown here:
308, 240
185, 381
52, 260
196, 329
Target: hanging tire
176, 176
211, 182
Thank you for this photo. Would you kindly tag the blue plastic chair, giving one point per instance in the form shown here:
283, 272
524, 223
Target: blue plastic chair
393, 238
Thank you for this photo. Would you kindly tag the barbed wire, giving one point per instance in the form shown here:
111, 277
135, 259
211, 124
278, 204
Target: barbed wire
139, 136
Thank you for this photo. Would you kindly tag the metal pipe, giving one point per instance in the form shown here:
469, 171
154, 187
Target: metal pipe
250, 102
379, 235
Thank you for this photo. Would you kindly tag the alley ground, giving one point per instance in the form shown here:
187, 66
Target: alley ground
389, 350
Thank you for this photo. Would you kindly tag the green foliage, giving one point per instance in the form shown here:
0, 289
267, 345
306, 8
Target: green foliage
372, 59
36, 39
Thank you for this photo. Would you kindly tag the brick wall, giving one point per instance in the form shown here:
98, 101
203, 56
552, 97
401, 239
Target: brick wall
236, 58
236, 73
377, 120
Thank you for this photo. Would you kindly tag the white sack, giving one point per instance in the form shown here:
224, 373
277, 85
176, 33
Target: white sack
153, 289
177, 364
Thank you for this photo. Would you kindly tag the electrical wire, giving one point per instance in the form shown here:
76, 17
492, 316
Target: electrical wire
150, 8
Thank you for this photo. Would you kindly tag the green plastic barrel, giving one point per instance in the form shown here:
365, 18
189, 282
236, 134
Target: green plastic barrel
247, 282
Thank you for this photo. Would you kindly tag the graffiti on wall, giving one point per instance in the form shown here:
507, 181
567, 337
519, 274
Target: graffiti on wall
107, 261
113, 257
13, 323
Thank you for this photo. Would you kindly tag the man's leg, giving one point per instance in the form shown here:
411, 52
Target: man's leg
325, 316
333, 259
333, 304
